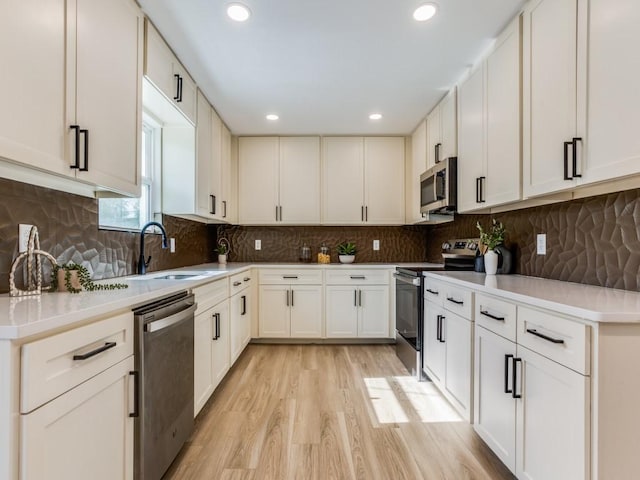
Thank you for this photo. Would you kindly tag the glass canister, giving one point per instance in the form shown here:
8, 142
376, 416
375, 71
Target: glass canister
323, 255
305, 253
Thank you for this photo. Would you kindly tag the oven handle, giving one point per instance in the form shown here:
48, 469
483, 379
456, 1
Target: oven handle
410, 280
170, 320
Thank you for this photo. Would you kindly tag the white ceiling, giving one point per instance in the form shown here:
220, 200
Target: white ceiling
324, 65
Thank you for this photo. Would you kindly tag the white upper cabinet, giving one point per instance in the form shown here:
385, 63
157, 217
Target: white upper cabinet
56, 83
204, 159
551, 113
363, 180
228, 202
167, 74
279, 180
489, 161
613, 143
414, 170
442, 130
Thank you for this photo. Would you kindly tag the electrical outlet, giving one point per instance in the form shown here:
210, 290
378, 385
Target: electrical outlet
541, 243
23, 237
376, 244
258, 244
172, 245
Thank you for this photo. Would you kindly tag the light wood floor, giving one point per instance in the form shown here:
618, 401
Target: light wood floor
330, 412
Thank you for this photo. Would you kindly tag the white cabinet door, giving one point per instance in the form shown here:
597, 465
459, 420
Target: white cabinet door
107, 91
495, 410
503, 165
471, 140
274, 311
434, 348
228, 202
552, 415
32, 118
204, 158
258, 180
306, 311
203, 325
186, 95
458, 342
220, 355
613, 144
341, 317
216, 165
343, 180
300, 180
448, 126
549, 94
417, 168
240, 323
85, 433
373, 318
433, 135
384, 180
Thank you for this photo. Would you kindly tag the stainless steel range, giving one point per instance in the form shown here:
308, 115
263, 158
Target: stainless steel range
457, 255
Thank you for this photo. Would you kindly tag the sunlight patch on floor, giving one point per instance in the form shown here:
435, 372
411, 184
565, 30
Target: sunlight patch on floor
384, 401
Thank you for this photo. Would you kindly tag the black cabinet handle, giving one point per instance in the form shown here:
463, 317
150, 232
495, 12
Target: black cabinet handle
566, 161
280, 208
477, 189
433, 292
362, 213
357, 277
292, 298
85, 132
293, 277
237, 284
287, 298
136, 394
95, 352
514, 378
507, 359
487, 314
177, 95
359, 298
244, 305
355, 298
457, 302
437, 152
217, 326
224, 209
276, 213
441, 336
213, 204
533, 331
180, 89
246, 279
438, 326
76, 128
574, 142
366, 213
482, 195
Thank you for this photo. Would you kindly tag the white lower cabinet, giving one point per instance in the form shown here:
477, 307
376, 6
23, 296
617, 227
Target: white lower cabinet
84, 433
434, 349
357, 311
290, 311
240, 322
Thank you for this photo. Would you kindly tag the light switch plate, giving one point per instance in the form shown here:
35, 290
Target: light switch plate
258, 244
541, 243
376, 244
172, 245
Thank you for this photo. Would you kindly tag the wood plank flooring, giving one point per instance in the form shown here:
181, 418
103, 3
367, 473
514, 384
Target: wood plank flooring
330, 412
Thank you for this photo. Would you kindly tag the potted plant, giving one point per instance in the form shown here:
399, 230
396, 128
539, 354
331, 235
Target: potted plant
223, 250
489, 241
347, 252
73, 278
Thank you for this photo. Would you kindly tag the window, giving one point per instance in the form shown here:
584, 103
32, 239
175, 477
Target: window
132, 213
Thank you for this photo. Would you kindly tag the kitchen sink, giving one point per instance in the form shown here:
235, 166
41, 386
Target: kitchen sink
178, 275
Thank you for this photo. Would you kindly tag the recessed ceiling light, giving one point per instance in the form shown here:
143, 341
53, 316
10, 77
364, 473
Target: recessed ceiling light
425, 12
272, 117
375, 116
238, 12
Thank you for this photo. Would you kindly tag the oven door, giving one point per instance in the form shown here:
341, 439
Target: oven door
408, 309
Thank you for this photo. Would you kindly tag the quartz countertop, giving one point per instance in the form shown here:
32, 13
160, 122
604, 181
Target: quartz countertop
587, 302
27, 317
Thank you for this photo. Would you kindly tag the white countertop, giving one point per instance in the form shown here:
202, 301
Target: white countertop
22, 317
586, 302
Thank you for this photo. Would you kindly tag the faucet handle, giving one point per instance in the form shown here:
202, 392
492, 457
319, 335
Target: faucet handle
146, 264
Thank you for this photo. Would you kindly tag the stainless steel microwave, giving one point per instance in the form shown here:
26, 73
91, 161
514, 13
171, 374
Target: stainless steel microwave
438, 187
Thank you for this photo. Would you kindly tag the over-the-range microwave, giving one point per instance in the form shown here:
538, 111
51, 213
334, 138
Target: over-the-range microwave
438, 187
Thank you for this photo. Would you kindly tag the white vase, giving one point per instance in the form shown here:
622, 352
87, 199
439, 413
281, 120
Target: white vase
346, 258
222, 259
490, 262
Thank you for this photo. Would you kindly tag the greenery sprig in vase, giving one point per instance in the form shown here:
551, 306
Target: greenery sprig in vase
83, 279
493, 237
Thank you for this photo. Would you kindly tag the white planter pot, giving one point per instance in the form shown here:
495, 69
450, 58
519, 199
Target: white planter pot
491, 262
346, 258
222, 259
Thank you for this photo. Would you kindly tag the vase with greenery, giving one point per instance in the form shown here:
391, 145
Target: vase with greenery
489, 240
222, 250
73, 278
346, 252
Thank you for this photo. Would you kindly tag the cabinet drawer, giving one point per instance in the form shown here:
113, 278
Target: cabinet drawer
457, 300
239, 281
496, 315
48, 365
433, 291
557, 338
357, 277
211, 294
273, 276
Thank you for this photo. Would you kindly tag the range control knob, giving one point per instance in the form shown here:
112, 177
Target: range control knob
472, 246
446, 246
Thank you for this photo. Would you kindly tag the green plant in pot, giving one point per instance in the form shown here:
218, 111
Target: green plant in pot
73, 278
490, 239
347, 252
223, 250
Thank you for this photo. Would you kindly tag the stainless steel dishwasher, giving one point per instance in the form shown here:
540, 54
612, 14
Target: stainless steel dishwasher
164, 383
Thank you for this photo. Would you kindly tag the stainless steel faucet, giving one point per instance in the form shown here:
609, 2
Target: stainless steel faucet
142, 264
